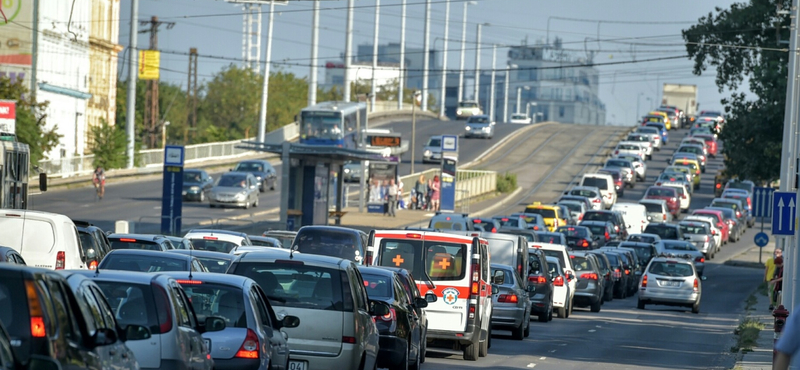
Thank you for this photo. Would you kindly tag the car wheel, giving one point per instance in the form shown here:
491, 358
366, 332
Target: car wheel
527, 332
640, 304
471, 351
518, 333
489, 339
562, 312
543, 317
255, 204
569, 309
417, 362
263, 187
211, 205
596, 306
609, 295
696, 307
202, 196
424, 345
247, 205
550, 312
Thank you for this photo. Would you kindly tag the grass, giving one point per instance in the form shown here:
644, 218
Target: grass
506, 182
750, 302
762, 289
747, 334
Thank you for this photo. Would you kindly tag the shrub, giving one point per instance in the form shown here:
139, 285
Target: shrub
506, 182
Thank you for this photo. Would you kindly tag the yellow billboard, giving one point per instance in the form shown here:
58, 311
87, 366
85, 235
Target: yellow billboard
148, 64
16, 38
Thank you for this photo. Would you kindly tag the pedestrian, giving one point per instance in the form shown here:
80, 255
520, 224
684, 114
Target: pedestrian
399, 194
435, 193
391, 197
788, 346
777, 283
769, 271
421, 187
428, 194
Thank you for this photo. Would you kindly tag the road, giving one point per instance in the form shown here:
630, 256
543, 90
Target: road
140, 200
622, 336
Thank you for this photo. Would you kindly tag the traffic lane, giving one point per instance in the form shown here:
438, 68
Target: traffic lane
622, 336
469, 149
138, 200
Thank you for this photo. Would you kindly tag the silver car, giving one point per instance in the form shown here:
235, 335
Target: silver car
336, 328
432, 152
670, 281
252, 338
238, 189
699, 234
657, 210
590, 192
653, 134
685, 249
479, 126
511, 308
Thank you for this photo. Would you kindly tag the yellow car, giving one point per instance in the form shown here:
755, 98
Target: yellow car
690, 163
666, 118
551, 214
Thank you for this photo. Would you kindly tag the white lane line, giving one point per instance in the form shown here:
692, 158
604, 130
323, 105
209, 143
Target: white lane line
598, 326
531, 365
592, 330
543, 358
157, 207
552, 351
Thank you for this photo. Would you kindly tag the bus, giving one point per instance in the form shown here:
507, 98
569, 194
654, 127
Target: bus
14, 167
333, 123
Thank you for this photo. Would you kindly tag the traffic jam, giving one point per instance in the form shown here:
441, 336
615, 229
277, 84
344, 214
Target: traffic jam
330, 297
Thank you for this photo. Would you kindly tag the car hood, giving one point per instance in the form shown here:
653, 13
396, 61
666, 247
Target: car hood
187, 184
227, 189
479, 125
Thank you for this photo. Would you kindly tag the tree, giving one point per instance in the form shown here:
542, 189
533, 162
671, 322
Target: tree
109, 145
232, 102
742, 43
31, 123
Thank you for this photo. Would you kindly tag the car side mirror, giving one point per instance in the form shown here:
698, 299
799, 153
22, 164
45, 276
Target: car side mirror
212, 324
104, 337
495, 290
570, 276
430, 298
290, 321
378, 308
137, 332
420, 302
39, 362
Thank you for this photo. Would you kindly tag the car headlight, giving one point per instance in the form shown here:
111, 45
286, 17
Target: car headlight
426, 153
194, 188
258, 178
458, 112
346, 170
468, 128
241, 194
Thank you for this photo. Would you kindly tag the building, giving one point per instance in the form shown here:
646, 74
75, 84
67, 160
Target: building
386, 74
561, 85
103, 51
389, 54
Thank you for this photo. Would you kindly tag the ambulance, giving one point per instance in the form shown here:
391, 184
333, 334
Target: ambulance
452, 272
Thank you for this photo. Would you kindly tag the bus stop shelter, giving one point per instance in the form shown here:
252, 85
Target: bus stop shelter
311, 177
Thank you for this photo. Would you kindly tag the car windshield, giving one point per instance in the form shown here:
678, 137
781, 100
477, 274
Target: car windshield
435, 142
328, 243
127, 243
583, 193
444, 224
693, 229
663, 231
653, 207
142, 263
575, 232
299, 285
596, 182
437, 260
637, 138
618, 163
467, 104
232, 181
217, 300
671, 268
478, 119
249, 167
214, 245
192, 176
217, 265
133, 304
378, 286
544, 212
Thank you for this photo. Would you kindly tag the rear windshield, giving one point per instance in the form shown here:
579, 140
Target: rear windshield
232, 181
644, 253
721, 204
665, 232
552, 238
435, 142
693, 229
598, 216
597, 182
298, 285
13, 300
583, 193
615, 163
249, 167
653, 208
132, 304
329, 243
87, 241
486, 225
612, 259
662, 192
378, 286
445, 224
581, 263
679, 245
508, 221
214, 245
286, 241
556, 254
739, 185
266, 243
467, 105
596, 229
217, 265
642, 238
440, 261
647, 130
142, 263
573, 207
124, 243
544, 212
218, 300
577, 232
671, 268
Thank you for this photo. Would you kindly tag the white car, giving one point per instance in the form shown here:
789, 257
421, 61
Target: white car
217, 240
591, 192
520, 118
712, 225
560, 253
561, 292
628, 147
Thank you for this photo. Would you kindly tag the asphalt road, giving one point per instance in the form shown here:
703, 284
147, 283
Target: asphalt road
140, 200
621, 336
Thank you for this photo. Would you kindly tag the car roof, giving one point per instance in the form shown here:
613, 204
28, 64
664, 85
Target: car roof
330, 228
216, 231
662, 224
135, 277
143, 237
376, 271
149, 253
226, 279
272, 254
203, 254
649, 235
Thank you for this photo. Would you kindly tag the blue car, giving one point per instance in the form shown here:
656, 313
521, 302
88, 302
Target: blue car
662, 128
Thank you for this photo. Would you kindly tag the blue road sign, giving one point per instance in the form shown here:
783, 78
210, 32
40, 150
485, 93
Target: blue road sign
172, 190
449, 143
762, 199
761, 239
783, 212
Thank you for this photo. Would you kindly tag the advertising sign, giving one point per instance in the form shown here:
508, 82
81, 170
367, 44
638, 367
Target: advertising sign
16, 36
8, 117
172, 190
447, 191
149, 61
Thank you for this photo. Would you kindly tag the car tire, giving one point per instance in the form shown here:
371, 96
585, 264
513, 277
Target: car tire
211, 205
255, 204
518, 333
423, 347
527, 332
562, 312
543, 317
609, 296
569, 309
202, 197
640, 304
418, 361
595, 307
696, 307
483, 347
247, 205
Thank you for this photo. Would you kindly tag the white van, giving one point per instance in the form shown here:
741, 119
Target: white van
634, 215
605, 183
44, 239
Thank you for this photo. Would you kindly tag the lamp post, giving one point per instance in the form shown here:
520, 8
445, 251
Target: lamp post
505, 95
444, 57
478, 61
402, 82
375, 54
463, 51
426, 55
492, 87
528, 111
519, 97
414, 127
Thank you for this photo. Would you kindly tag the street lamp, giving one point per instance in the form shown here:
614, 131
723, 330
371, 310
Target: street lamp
528, 110
519, 96
478, 60
442, 96
492, 87
463, 51
505, 94
413, 126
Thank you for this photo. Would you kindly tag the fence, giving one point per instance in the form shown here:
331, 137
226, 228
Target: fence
78, 166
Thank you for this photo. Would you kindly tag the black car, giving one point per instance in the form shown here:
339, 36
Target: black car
630, 264
149, 261
590, 288
263, 171
196, 184
541, 295
614, 217
94, 242
400, 331
10, 255
607, 273
617, 273
665, 231
578, 237
140, 241
551, 237
644, 251
602, 231
213, 261
530, 235
410, 286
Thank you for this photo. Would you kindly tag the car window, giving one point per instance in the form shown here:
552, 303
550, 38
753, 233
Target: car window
597, 182
142, 263
544, 212
693, 229
671, 268
501, 276
665, 232
65, 312
439, 261
234, 181
217, 265
213, 245
435, 142
295, 285
260, 308
181, 309
577, 232
508, 221
90, 309
15, 317
127, 243
131, 304
328, 243
378, 286
598, 216
209, 299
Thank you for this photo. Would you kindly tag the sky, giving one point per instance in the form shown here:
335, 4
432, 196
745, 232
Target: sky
627, 30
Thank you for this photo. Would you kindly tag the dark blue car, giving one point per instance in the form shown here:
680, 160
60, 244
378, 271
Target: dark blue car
262, 170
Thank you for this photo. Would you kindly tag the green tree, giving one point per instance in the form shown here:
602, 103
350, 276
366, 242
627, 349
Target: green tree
742, 44
31, 122
232, 102
109, 145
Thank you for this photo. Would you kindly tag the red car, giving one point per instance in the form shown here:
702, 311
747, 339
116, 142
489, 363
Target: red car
721, 224
711, 143
669, 194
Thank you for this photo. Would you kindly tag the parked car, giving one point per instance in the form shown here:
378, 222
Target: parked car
670, 281
262, 170
213, 261
149, 261
196, 184
541, 294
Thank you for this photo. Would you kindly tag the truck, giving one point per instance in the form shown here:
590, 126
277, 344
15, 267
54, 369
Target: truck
683, 97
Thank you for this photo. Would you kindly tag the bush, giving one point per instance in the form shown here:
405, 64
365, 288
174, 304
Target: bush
506, 182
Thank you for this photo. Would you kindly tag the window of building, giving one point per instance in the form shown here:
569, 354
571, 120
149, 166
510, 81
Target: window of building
561, 111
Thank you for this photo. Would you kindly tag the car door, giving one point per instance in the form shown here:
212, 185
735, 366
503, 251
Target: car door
66, 318
404, 301
188, 337
366, 331
124, 358
280, 349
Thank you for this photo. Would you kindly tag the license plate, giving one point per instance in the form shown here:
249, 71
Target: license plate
671, 283
298, 365
208, 344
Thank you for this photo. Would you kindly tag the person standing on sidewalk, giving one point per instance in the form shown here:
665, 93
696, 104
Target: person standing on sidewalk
777, 283
435, 193
391, 197
769, 272
421, 188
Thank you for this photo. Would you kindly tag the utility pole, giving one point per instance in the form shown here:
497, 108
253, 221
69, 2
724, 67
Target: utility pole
426, 56
376, 31
463, 51
151, 111
130, 118
492, 88
191, 93
312, 78
505, 95
478, 64
402, 83
348, 51
443, 96
262, 113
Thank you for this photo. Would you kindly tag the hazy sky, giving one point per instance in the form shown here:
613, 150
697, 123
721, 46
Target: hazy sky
630, 30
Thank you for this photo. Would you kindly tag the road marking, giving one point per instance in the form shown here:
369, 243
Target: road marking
543, 358
239, 217
552, 351
598, 326
157, 207
592, 330
531, 365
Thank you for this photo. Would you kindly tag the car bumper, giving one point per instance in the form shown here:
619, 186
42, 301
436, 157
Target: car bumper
191, 195
507, 316
392, 350
349, 357
540, 303
477, 134
462, 337
237, 364
233, 203
664, 296
432, 158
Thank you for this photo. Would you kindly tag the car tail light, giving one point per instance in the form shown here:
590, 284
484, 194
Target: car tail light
705, 239
616, 152
713, 232
683, 196
537, 279
127, 240
35, 311
475, 286
696, 285
472, 311
559, 281
494, 229
617, 273
591, 276
665, 216
700, 259
249, 348
597, 200
61, 258
673, 199
627, 272
507, 298
389, 317
607, 236
163, 309
719, 185
738, 214
585, 244
93, 265
644, 281
349, 340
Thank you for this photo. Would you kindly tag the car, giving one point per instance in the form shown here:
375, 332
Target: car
697, 150
719, 222
352, 171
644, 139
738, 205
602, 231
711, 143
156, 309
578, 237
252, 338
217, 262
639, 166
670, 281
665, 231
605, 183
479, 126
653, 133
745, 199
143, 260
533, 221
196, 185
262, 170
620, 280
286, 237
685, 249
50, 239
616, 174
94, 242
630, 148
667, 122
589, 192
10, 255
684, 197
450, 221
432, 151
509, 222
520, 118
644, 251
716, 233
634, 216
552, 237
529, 234
675, 178
590, 289
655, 118
562, 304
657, 210
511, 307
735, 226
686, 171
485, 224
541, 294
626, 166
629, 265
468, 108
238, 189
553, 216
620, 227
687, 160
567, 214
652, 239
409, 284
576, 198
562, 294
180, 243
335, 241
328, 295
576, 208
661, 129
216, 240
667, 194
266, 241
700, 235
606, 274
140, 241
